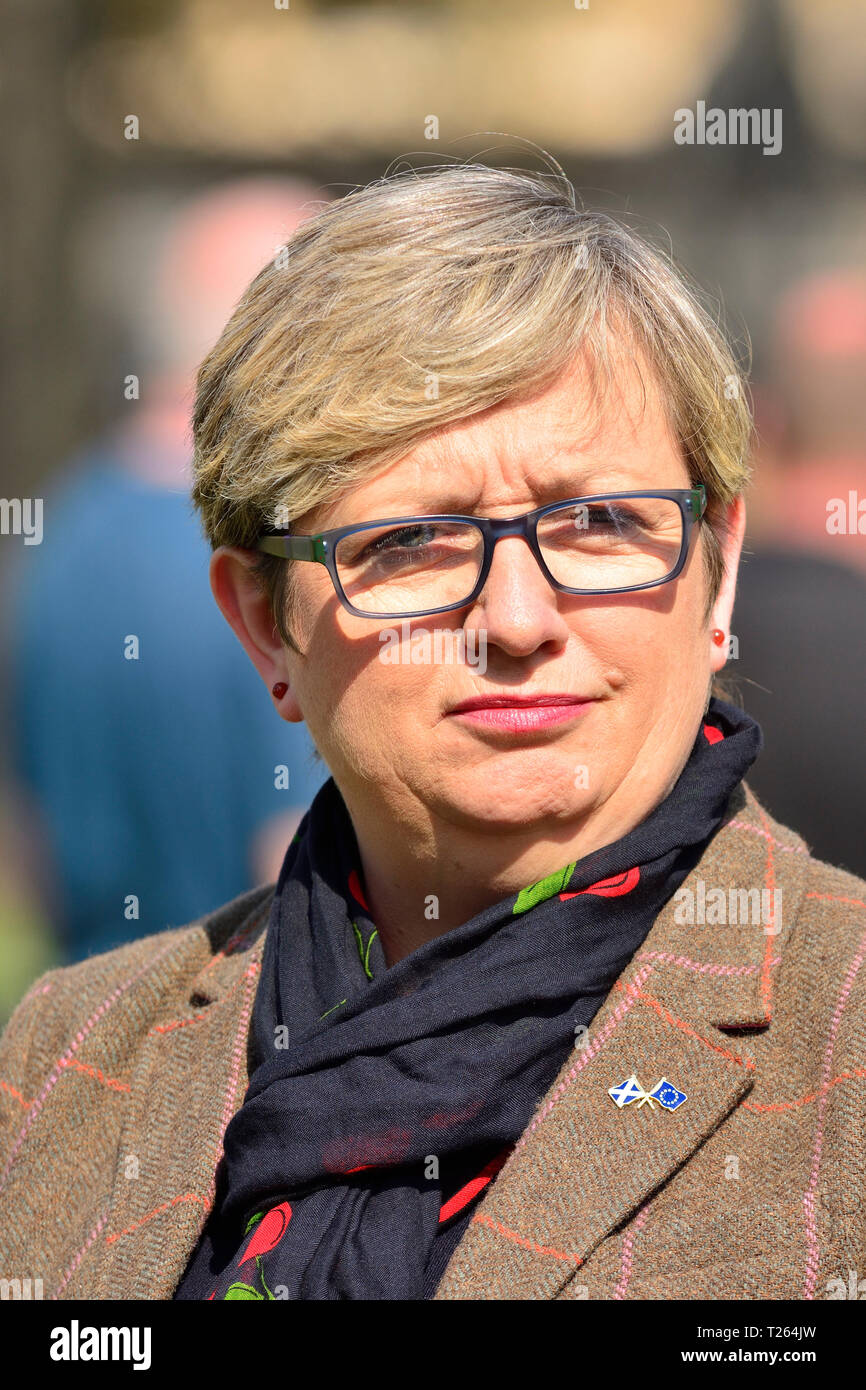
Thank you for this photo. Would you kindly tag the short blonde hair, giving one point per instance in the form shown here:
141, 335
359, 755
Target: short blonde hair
419, 300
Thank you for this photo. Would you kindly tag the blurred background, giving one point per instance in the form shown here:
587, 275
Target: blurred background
156, 154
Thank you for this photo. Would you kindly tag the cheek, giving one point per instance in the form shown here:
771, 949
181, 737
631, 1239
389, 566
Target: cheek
368, 700
398, 691
645, 646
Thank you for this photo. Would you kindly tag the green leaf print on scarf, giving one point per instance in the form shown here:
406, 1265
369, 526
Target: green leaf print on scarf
241, 1292
364, 954
237, 1292
545, 888
364, 949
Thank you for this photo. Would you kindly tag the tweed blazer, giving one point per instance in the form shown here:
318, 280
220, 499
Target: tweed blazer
119, 1075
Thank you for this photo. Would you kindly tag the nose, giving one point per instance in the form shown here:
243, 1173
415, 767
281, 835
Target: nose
518, 609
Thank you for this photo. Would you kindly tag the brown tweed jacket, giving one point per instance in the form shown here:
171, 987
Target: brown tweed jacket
118, 1077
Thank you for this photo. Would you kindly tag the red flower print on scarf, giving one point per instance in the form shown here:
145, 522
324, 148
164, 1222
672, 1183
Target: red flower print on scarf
356, 890
609, 887
352, 1155
268, 1233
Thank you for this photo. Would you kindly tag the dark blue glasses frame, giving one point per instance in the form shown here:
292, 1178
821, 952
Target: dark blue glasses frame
320, 548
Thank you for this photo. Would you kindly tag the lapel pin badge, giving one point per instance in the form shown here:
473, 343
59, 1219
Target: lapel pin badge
664, 1093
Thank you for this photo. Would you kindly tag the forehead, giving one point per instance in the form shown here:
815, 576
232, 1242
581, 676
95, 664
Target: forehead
586, 432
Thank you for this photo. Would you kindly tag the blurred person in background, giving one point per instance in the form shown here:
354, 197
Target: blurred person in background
812, 423
115, 721
806, 554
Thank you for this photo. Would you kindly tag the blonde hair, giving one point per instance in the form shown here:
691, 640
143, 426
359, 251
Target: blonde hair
419, 300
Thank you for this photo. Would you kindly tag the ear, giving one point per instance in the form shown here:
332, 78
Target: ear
247, 611
732, 545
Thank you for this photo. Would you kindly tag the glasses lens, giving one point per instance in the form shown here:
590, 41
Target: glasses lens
612, 543
410, 567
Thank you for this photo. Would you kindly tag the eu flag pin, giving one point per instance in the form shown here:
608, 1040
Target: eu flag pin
667, 1095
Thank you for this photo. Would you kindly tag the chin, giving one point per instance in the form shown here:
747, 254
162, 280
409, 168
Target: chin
510, 802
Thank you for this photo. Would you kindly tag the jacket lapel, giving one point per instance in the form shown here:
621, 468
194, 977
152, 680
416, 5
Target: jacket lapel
190, 1076
584, 1166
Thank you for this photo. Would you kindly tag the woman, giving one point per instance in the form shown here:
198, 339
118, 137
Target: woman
544, 1003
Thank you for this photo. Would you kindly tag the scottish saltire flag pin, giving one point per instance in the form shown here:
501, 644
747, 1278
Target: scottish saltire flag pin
667, 1095
627, 1091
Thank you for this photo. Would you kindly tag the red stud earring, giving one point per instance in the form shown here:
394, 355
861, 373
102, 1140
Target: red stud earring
718, 636
279, 690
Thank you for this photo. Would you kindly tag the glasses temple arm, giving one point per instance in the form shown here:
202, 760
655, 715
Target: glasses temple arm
293, 547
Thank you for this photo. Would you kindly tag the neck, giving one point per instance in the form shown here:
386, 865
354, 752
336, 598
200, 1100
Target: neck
424, 876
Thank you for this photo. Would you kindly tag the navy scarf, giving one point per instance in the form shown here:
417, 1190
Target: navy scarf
384, 1100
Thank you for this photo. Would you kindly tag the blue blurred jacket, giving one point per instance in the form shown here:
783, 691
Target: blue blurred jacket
152, 775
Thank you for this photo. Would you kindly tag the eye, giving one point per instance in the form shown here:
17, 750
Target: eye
586, 521
402, 538
612, 516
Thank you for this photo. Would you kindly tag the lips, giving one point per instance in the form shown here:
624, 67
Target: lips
517, 702
520, 714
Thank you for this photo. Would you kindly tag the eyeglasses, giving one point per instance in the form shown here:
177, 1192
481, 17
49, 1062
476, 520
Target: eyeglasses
413, 566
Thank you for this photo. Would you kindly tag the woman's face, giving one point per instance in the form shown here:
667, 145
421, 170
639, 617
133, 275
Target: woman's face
643, 661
